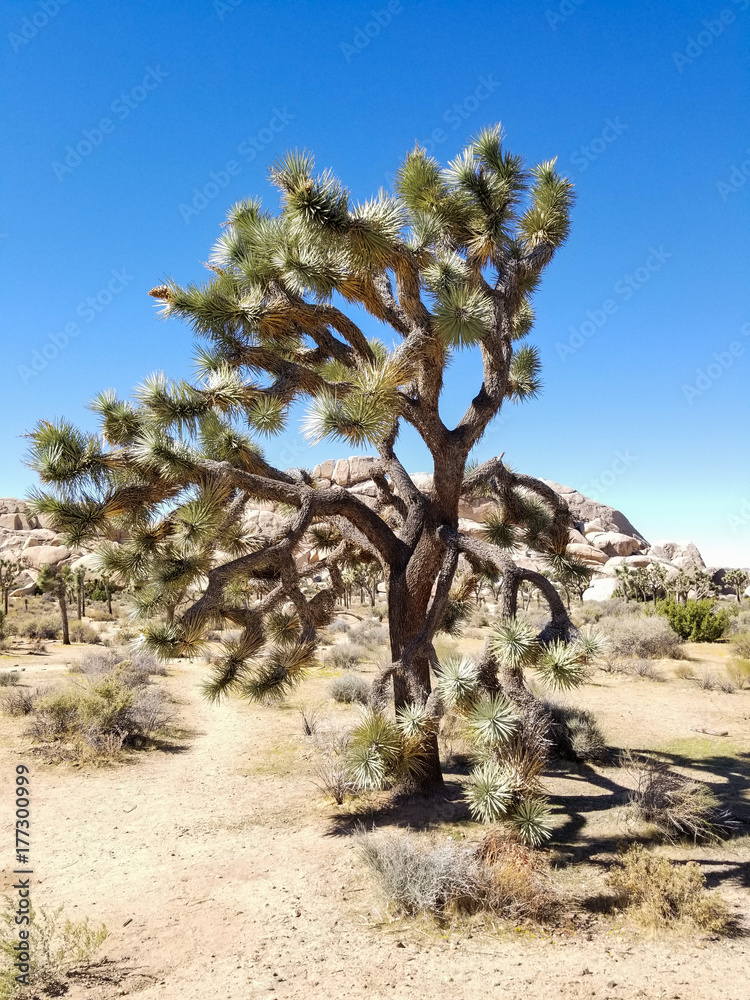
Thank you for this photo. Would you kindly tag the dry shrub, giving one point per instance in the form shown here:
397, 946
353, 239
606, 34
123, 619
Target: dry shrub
582, 733
81, 632
642, 636
676, 805
519, 885
369, 633
41, 628
344, 656
641, 668
423, 879
8, 678
19, 702
707, 680
659, 894
501, 876
350, 690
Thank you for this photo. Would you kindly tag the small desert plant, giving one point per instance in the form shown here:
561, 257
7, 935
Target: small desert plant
582, 732
738, 672
344, 656
684, 671
18, 702
350, 690
310, 719
708, 680
660, 894
369, 633
643, 636
57, 946
641, 668
425, 879
80, 632
8, 678
676, 805
740, 645
695, 621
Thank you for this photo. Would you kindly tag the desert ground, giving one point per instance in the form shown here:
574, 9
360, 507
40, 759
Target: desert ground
221, 868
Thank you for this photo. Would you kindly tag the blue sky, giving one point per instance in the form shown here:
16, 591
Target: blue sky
130, 128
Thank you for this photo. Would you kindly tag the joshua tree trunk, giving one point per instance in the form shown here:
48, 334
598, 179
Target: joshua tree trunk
61, 599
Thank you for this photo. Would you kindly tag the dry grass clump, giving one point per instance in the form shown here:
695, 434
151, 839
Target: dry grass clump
709, 680
501, 876
659, 894
640, 636
738, 673
678, 806
8, 678
350, 690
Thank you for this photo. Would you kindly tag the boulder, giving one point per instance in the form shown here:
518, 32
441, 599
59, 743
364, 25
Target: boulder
614, 543
90, 562
13, 522
476, 510
360, 468
422, 480
473, 528
41, 554
602, 589
587, 553
592, 512
340, 475
324, 470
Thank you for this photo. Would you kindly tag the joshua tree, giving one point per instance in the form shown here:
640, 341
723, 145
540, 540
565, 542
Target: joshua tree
737, 580
446, 264
56, 580
9, 573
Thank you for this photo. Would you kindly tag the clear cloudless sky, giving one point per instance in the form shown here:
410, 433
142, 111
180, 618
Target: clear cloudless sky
129, 129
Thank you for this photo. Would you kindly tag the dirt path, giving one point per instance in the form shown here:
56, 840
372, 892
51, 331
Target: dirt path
215, 869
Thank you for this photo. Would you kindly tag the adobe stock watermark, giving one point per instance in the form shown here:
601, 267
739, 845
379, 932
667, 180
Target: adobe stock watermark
455, 115
564, 10
35, 22
584, 156
709, 31
597, 487
740, 520
738, 177
122, 107
224, 7
248, 149
87, 310
624, 289
722, 362
379, 19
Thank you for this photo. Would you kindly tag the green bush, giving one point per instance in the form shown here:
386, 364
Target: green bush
695, 621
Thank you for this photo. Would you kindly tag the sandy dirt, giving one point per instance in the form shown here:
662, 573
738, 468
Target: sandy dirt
221, 870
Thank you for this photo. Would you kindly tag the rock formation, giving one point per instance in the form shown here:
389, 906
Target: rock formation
602, 537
